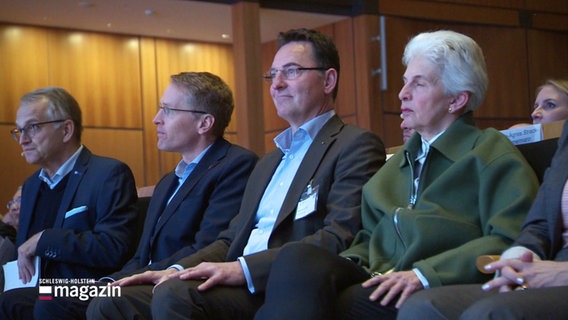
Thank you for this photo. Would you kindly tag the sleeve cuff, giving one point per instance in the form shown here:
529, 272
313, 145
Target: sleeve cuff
248, 277
106, 279
422, 279
516, 252
176, 266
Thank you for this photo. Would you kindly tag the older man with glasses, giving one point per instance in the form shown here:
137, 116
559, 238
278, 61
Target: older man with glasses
77, 215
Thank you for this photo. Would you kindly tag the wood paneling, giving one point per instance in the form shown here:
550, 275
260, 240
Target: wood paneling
547, 56
439, 11
365, 28
124, 145
102, 72
150, 97
556, 6
248, 94
346, 102
24, 66
486, 3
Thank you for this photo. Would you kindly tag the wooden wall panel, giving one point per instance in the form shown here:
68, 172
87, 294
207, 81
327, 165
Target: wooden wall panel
441, 11
346, 102
174, 56
124, 145
152, 169
487, 3
548, 57
24, 66
248, 84
391, 122
102, 72
555, 6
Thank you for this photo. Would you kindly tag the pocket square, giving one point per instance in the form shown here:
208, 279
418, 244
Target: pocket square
74, 211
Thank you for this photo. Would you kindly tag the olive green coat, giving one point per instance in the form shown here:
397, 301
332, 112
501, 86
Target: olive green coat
476, 190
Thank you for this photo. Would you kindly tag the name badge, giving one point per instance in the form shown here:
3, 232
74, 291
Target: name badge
308, 202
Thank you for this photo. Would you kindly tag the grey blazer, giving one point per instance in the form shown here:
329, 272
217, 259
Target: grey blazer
339, 161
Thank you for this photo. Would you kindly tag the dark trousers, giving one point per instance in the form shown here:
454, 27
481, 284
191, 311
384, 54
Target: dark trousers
469, 302
18, 303
307, 282
176, 299
24, 303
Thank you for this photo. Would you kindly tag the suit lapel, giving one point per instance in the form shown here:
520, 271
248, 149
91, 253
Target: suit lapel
29, 198
311, 162
211, 159
75, 177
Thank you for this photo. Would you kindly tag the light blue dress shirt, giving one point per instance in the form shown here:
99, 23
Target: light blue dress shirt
183, 170
294, 145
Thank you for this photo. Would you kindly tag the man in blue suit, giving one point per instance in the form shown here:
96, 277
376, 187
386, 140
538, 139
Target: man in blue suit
191, 205
77, 212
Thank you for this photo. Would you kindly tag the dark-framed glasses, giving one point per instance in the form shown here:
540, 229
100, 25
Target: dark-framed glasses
13, 202
31, 129
288, 73
169, 111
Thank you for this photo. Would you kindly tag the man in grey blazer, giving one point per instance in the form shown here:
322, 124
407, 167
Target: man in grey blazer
307, 190
191, 205
77, 212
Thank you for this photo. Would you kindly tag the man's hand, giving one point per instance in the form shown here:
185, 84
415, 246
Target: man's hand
146, 277
526, 273
26, 254
403, 283
224, 273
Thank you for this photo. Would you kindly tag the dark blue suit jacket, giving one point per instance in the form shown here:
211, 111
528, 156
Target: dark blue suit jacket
542, 231
96, 239
200, 210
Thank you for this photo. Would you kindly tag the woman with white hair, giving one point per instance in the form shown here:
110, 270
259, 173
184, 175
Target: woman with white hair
452, 193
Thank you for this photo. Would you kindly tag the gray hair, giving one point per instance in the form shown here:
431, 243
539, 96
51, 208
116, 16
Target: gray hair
459, 59
61, 105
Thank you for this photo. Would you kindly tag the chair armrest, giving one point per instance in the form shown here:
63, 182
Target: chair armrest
484, 260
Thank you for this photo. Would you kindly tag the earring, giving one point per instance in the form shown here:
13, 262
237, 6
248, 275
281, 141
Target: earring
450, 110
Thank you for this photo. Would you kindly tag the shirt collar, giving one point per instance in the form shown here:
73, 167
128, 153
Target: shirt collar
182, 169
423, 152
312, 127
62, 171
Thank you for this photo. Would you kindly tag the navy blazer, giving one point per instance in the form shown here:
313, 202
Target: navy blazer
95, 240
200, 210
339, 161
542, 230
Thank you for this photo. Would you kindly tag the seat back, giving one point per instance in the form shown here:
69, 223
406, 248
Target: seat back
539, 155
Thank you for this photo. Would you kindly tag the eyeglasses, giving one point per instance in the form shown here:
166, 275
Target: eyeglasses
168, 110
13, 202
288, 73
31, 129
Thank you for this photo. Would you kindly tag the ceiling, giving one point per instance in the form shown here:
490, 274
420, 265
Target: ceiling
188, 20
